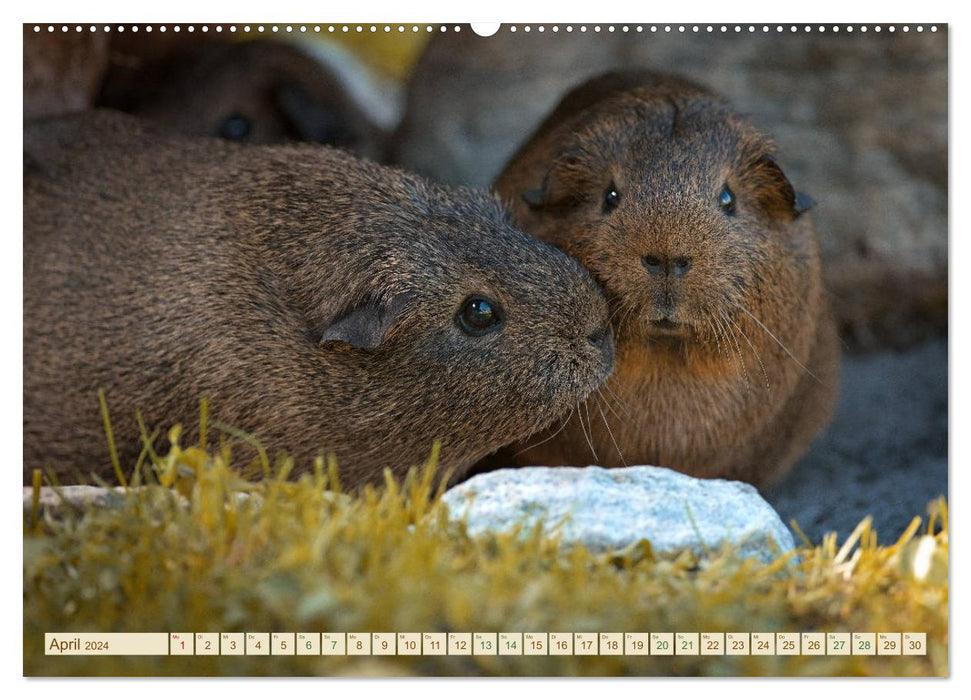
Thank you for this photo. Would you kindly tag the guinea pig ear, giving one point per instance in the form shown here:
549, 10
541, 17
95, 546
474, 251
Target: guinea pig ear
563, 186
775, 192
310, 120
365, 325
535, 199
803, 203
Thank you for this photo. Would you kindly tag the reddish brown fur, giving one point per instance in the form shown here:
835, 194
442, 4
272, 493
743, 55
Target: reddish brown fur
162, 269
713, 394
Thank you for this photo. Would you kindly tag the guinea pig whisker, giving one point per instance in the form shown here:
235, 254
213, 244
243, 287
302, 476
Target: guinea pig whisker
610, 406
588, 436
632, 311
619, 308
620, 402
717, 332
610, 432
754, 350
721, 334
780, 343
547, 439
726, 334
741, 359
624, 310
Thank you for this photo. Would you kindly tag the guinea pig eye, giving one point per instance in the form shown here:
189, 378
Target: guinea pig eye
235, 127
479, 315
726, 200
611, 198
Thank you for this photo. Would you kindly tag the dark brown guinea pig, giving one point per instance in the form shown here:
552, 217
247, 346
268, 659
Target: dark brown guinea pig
727, 356
256, 91
322, 303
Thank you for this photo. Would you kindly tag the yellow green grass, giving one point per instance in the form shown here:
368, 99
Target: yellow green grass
196, 548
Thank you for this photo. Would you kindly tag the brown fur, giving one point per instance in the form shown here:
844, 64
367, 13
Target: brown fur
311, 296
282, 94
62, 70
715, 395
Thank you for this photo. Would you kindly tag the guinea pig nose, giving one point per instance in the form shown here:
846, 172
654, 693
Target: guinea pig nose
654, 264
599, 337
657, 266
603, 340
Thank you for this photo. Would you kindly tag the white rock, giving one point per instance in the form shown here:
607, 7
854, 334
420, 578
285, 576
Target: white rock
612, 508
80, 497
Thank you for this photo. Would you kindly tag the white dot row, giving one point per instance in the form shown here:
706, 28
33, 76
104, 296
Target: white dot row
303, 28
709, 28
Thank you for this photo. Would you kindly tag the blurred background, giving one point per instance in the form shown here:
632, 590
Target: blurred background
860, 119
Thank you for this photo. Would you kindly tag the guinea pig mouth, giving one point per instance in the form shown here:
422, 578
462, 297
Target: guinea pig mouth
667, 327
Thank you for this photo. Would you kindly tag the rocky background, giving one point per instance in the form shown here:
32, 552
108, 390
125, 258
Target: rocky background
861, 121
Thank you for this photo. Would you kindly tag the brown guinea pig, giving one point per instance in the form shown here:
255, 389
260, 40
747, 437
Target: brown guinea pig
727, 356
255, 92
321, 303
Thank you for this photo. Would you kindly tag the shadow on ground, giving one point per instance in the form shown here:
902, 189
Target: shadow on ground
885, 452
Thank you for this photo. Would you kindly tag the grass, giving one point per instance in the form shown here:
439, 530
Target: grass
197, 548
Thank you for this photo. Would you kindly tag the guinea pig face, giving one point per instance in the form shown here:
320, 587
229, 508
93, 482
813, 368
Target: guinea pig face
674, 213
276, 111
499, 333
257, 93
527, 330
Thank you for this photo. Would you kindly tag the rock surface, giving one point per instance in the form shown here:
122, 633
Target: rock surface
614, 508
860, 119
884, 455
53, 502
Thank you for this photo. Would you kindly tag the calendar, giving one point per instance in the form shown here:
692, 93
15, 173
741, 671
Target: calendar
512, 348
487, 644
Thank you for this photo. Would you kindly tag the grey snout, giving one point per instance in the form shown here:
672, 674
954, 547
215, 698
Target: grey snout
663, 266
603, 340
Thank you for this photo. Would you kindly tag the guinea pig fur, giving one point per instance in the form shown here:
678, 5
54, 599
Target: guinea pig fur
727, 355
321, 303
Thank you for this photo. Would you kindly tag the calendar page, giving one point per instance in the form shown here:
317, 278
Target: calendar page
545, 349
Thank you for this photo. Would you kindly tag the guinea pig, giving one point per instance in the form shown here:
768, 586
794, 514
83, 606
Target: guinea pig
254, 92
868, 137
322, 304
727, 354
